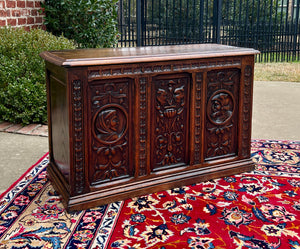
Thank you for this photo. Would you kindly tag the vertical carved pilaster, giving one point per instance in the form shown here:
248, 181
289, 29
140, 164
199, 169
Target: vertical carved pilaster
78, 134
198, 119
247, 112
143, 127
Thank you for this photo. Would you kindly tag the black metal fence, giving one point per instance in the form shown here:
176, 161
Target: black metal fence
271, 26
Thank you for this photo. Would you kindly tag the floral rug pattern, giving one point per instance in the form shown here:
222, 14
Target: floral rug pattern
260, 209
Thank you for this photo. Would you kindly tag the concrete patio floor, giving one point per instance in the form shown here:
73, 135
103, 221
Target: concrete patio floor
276, 115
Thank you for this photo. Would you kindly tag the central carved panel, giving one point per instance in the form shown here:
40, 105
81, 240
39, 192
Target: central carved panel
170, 120
110, 109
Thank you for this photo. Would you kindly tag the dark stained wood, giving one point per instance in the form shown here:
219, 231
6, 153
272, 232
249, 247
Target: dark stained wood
125, 122
109, 56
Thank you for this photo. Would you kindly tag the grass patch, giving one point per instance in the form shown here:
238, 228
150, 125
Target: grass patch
277, 71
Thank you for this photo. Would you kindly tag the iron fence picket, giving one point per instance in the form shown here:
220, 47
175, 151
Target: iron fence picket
271, 26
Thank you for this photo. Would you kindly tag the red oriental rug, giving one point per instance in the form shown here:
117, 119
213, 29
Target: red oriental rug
260, 209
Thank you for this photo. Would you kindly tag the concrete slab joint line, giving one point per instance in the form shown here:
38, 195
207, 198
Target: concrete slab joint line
31, 129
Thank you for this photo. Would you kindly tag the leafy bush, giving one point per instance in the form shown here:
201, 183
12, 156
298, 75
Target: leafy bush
90, 23
22, 73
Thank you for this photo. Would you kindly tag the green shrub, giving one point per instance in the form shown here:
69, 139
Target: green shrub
90, 23
22, 73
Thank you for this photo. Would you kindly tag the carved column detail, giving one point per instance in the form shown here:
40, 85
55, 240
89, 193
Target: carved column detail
143, 126
78, 135
170, 120
247, 105
198, 119
221, 111
110, 109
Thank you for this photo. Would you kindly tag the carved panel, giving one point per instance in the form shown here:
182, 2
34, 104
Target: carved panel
170, 120
221, 113
110, 111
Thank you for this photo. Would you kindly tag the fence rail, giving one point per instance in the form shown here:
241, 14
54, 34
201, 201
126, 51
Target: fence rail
271, 26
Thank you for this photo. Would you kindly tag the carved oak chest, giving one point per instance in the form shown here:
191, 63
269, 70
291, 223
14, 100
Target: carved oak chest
125, 122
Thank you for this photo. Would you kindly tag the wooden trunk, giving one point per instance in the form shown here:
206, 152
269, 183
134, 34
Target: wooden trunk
125, 122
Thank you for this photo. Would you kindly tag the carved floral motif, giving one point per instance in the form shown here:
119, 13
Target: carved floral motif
198, 118
247, 105
143, 127
78, 133
175, 67
170, 120
110, 161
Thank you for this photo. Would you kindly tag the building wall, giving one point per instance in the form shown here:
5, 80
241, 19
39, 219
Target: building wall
21, 13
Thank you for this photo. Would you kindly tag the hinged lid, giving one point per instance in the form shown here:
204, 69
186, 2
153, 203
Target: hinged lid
108, 56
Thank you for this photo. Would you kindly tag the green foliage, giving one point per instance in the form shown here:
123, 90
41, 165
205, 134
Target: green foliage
22, 73
90, 23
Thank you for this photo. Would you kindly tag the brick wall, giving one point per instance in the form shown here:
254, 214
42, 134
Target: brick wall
21, 13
